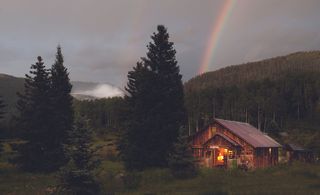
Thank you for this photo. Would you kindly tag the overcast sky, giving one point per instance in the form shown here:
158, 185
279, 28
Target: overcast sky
103, 39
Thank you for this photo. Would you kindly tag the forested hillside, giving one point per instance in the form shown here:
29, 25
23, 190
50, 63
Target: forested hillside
9, 86
272, 69
274, 95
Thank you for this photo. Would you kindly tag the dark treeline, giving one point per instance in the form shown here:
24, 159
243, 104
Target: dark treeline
267, 104
2, 106
2, 112
102, 114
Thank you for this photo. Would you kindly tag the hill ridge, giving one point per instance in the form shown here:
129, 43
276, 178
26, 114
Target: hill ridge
271, 68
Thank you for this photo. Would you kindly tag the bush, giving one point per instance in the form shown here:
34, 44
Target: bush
181, 161
132, 180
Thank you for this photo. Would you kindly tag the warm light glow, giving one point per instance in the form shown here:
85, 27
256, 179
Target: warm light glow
225, 151
220, 157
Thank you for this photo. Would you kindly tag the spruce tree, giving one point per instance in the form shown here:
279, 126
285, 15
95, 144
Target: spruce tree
273, 128
181, 161
132, 144
155, 97
61, 100
34, 120
2, 112
77, 176
2, 106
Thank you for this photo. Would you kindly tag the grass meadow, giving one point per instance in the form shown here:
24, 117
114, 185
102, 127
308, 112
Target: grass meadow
297, 178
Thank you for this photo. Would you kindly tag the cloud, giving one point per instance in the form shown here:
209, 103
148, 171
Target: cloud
102, 91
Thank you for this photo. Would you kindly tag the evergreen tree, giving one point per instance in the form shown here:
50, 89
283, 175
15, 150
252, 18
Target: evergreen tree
2, 106
62, 115
181, 161
273, 128
34, 120
156, 100
77, 177
132, 141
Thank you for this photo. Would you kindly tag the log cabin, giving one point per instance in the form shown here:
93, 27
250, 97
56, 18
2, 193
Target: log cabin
232, 144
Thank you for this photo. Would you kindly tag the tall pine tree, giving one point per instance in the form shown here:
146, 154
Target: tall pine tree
61, 100
155, 97
34, 119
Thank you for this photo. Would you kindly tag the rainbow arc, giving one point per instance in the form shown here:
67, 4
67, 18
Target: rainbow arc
215, 35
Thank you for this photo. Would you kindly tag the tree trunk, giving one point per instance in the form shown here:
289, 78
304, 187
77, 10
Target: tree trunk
246, 115
213, 108
259, 122
298, 111
265, 124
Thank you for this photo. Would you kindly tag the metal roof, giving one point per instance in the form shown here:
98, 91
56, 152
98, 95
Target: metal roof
295, 147
249, 133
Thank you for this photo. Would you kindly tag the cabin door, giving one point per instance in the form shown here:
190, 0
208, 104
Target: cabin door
219, 157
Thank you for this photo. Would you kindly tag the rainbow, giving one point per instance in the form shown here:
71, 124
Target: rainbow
216, 32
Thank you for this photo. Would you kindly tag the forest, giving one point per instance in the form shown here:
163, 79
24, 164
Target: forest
295, 96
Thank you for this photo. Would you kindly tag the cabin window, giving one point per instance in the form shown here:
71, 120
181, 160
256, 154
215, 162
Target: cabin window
231, 154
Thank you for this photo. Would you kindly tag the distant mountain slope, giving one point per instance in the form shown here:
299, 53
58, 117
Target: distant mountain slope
10, 85
270, 68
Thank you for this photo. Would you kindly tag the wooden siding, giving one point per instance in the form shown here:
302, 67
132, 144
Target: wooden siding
265, 157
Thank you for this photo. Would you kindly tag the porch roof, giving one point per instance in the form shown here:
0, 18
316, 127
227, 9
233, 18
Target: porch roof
224, 137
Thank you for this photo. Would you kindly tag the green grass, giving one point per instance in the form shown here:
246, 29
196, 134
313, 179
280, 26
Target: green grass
296, 179
13, 181
284, 179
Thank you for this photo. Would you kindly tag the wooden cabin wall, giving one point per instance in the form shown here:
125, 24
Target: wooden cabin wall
247, 148
229, 134
303, 156
201, 137
265, 157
